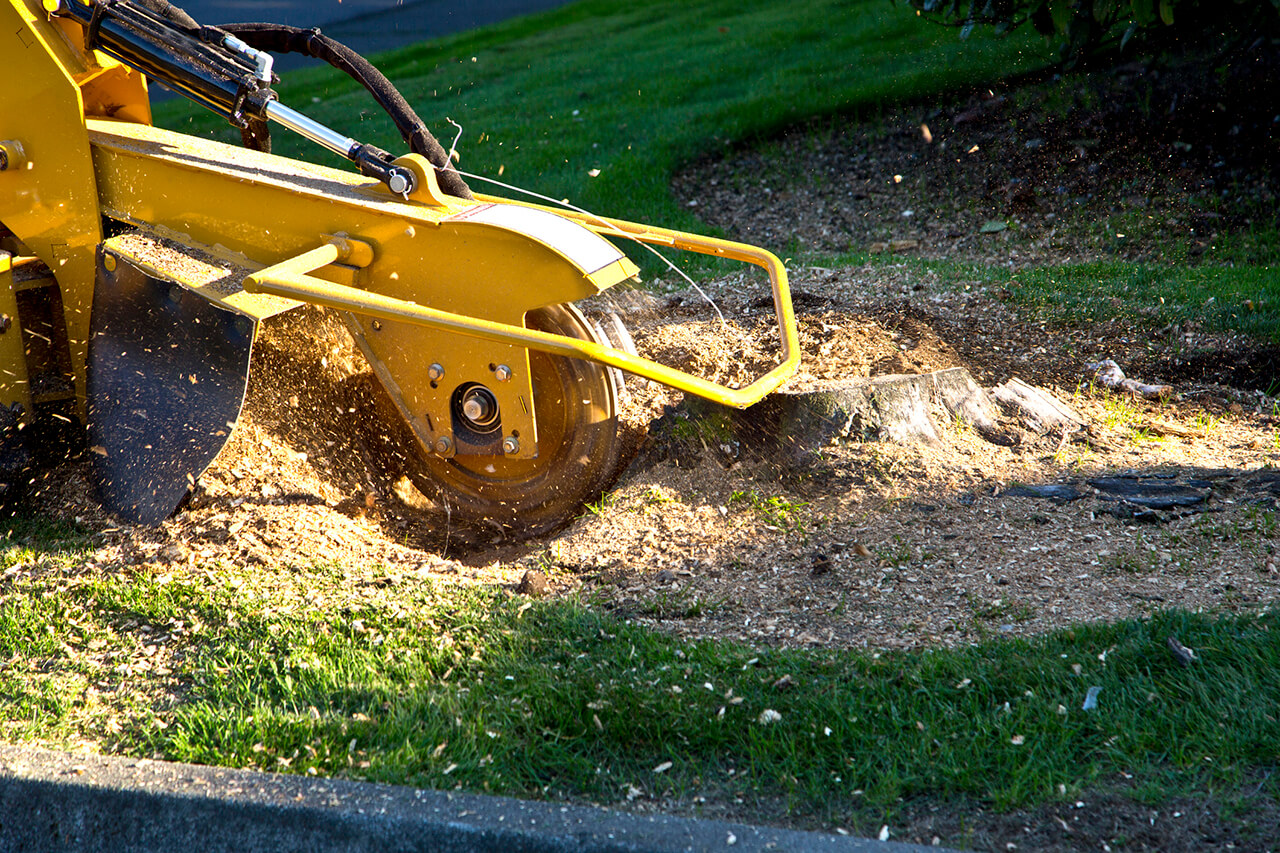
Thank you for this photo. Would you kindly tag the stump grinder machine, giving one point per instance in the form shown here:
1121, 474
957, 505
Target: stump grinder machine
136, 264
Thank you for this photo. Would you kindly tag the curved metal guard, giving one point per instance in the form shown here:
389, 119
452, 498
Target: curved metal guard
291, 278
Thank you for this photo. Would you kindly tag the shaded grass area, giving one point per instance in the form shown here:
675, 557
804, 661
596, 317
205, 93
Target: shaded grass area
411, 682
1243, 298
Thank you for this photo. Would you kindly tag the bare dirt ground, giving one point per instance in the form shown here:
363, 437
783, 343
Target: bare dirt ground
858, 543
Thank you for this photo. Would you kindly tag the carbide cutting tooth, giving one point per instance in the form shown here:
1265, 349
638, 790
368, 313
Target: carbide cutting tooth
626, 343
616, 376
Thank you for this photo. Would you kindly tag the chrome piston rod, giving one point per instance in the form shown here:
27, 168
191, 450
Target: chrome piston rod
290, 118
399, 180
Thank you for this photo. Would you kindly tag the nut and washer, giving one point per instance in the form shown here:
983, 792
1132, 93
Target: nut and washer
398, 183
435, 372
502, 373
510, 445
444, 445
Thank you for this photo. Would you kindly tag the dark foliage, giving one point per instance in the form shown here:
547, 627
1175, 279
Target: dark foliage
1087, 28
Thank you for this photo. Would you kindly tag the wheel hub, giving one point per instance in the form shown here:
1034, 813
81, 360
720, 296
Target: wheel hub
483, 484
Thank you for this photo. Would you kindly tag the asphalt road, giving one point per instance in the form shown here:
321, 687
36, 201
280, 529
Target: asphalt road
53, 802
368, 26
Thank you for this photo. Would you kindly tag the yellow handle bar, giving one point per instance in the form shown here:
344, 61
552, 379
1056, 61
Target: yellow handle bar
292, 279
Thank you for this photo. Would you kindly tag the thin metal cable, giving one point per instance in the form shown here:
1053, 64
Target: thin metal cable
606, 223
453, 148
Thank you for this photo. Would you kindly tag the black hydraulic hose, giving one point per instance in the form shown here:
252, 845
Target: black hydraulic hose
279, 38
167, 10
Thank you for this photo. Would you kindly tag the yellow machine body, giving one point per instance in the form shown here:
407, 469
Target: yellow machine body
435, 289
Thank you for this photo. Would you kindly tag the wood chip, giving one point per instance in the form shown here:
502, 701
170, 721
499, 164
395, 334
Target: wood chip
1181, 653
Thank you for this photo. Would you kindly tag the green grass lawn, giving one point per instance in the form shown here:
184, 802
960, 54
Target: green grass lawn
543, 102
409, 681
1242, 297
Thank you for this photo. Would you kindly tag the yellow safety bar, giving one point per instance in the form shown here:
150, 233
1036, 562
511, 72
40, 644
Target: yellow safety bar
292, 279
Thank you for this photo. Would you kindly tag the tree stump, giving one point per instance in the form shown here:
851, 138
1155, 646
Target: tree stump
1039, 410
898, 408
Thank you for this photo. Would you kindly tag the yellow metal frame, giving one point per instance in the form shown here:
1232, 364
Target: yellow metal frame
14, 386
292, 279
423, 279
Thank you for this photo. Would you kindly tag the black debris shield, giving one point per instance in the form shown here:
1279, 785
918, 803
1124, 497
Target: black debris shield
166, 379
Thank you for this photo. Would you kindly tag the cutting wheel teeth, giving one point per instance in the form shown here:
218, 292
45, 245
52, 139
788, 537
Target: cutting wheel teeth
615, 334
627, 344
616, 376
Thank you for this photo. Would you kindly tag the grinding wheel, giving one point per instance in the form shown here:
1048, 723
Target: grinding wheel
578, 447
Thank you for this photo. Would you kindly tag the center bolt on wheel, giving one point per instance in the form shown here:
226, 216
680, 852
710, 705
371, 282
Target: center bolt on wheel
480, 407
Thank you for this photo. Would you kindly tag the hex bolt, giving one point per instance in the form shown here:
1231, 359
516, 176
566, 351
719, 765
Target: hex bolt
6, 323
510, 445
502, 373
444, 445
435, 372
480, 406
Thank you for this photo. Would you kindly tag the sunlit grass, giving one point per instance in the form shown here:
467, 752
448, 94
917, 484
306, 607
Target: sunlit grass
449, 687
1243, 297
545, 101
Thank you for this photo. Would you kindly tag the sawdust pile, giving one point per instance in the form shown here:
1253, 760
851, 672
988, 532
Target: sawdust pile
870, 544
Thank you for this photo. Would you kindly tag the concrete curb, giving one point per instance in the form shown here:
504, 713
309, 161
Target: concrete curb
52, 801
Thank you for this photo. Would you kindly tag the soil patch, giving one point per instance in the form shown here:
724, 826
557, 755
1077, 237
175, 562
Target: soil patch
1145, 162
